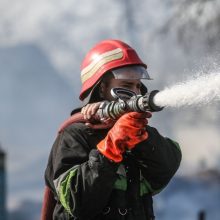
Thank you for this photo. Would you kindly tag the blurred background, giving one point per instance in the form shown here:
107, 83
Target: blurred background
42, 44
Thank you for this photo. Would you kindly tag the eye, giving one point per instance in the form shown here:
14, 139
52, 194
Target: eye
128, 86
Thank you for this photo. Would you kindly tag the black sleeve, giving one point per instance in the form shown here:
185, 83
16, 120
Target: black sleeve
80, 176
159, 158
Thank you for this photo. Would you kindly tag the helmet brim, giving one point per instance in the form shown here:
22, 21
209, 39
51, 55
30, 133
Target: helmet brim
131, 72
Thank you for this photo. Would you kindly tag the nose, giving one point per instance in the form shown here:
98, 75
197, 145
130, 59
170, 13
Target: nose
136, 88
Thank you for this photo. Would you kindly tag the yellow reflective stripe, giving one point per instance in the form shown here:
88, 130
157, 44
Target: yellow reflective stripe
101, 59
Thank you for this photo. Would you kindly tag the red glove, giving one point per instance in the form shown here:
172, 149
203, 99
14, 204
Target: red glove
128, 131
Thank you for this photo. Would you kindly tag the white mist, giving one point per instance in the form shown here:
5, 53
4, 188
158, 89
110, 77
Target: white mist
201, 90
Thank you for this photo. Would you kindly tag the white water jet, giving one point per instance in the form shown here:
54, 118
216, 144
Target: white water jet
198, 91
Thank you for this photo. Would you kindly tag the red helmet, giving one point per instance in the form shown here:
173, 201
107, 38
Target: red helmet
105, 56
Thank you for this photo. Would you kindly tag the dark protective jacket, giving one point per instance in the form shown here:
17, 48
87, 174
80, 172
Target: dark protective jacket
88, 186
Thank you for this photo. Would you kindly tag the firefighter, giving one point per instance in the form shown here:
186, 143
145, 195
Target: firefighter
110, 172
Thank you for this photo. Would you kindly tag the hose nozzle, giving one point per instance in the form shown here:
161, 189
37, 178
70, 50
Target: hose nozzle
147, 101
136, 103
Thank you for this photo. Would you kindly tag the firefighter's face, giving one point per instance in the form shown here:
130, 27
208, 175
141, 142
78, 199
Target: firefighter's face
133, 85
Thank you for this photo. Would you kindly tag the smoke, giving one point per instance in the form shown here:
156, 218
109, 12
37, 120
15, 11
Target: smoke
201, 90
64, 30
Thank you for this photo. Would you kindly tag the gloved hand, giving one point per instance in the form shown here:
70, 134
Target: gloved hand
128, 131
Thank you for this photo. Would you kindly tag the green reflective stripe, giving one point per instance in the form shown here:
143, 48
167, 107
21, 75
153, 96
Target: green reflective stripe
120, 183
62, 177
176, 144
146, 188
64, 191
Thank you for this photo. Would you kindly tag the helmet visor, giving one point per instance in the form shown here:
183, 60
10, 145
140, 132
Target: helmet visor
131, 72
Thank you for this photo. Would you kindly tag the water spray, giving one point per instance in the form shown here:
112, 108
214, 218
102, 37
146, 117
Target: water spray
201, 90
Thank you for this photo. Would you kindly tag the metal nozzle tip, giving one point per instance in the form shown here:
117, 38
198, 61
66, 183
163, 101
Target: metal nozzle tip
152, 105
